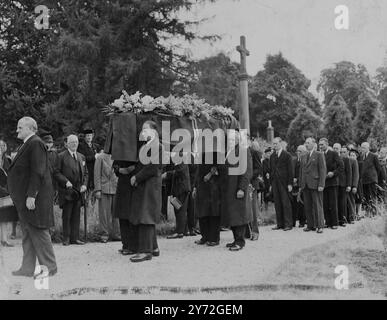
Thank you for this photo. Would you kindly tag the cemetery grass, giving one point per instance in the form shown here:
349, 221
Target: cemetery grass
362, 251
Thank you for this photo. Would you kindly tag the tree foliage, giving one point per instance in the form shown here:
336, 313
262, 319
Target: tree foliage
346, 79
368, 111
276, 93
306, 124
338, 121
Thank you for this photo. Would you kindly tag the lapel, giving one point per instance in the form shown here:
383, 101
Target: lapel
21, 150
308, 162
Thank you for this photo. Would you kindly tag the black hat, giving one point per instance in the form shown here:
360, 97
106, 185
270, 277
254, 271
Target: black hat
72, 194
267, 150
48, 138
88, 131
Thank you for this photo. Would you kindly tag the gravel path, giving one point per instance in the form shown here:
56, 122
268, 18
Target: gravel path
182, 265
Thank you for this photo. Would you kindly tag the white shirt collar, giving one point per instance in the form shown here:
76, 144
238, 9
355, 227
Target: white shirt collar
279, 152
26, 138
72, 153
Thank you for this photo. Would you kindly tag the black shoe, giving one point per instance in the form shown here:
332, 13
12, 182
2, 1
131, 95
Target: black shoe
140, 257
200, 242
103, 240
126, 252
77, 242
236, 247
342, 224
212, 243
229, 245
175, 236
254, 236
276, 228
301, 225
334, 227
288, 228
42, 276
319, 230
156, 252
308, 229
21, 273
66, 243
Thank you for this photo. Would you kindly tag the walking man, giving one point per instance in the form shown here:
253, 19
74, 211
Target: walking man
30, 187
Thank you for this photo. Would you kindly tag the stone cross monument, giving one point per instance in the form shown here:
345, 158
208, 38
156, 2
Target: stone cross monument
243, 87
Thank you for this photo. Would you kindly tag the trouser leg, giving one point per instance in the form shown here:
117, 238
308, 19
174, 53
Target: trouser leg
29, 254
75, 221
66, 215
44, 250
214, 229
146, 234
125, 233
191, 223
309, 208
254, 223
181, 215
204, 228
238, 232
318, 211
278, 204
342, 205
104, 215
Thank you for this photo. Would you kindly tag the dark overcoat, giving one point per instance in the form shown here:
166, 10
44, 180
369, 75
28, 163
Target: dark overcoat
124, 190
29, 176
207, 199
234, 211
333, 164
145, 198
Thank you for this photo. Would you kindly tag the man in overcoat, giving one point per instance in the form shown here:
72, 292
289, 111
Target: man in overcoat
30, 187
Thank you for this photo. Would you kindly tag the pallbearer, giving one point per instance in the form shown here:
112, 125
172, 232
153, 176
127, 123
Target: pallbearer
236, 192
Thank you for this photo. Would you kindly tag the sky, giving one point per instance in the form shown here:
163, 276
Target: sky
303, 30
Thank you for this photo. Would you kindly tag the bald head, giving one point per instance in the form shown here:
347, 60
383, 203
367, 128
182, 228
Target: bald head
365, 147
337, 148
26, 127
72, 142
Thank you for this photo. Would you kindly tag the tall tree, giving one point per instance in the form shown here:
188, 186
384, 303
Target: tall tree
276, 94
368, 110
215, 79
306, 124
346, 79
338, 121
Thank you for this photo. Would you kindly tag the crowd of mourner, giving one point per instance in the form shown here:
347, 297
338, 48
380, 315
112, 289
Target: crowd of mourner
324, 185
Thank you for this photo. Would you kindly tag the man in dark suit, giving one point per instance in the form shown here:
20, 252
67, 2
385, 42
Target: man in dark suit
281, 177
89, 151
312, 176
266, 177
334, 166
30, 187
345, 186
351, 209
72, 176
297, 203
370, 173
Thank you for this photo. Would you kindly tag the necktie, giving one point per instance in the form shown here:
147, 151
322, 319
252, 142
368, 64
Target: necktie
74, 157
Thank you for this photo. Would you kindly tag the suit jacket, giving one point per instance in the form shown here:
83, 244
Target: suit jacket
297, 168
355, 172
69, 170
105, 179
313, 170
178, 178
29, 176
371, 169
334, 164
345, 176
281, 168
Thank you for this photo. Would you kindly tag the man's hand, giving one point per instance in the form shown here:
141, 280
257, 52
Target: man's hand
240, 194
123, 170
320, 189
330, 174
133, 181
348, 189
83, 189
290, 188
69, 184
194, 193
207, 177
295, 181
354, 190
98, 195
164, 176
30, 203
267, 176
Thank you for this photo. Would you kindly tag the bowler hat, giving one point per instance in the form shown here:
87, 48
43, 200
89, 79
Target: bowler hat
88, 131
72, 194
48, 138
